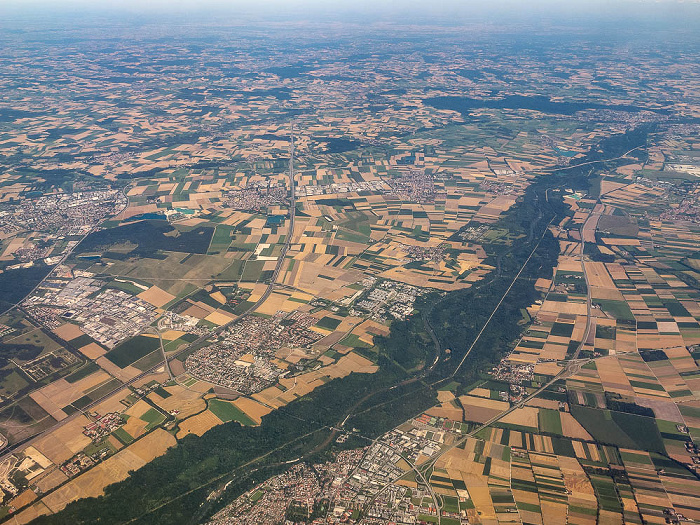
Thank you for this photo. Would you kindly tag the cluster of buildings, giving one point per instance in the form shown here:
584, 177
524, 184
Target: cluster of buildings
692, 449
496, 187
56, 296
630, 118
104, 426
302, 486
47, 364
372, 487
425, 253
182, 323
5, 330
78, 463
348, 187
474, 233
108, 316
516, 375
360, 484
52, 218
687, 210
31, 252
256, 197
243, 359
389, 299
61, 213
414, 186
399, 504
97, 431
378, 485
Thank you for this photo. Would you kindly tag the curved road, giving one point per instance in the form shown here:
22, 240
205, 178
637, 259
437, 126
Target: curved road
280, 262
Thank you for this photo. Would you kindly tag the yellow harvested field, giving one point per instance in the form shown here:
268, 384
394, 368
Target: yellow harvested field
543, 403
598, 276
470, 401
92, 351
219, 318
525, 416
445, 396
480, 392
198, 424
252, 409
115, 468
24, 498
156, 296
54, 396
446, 410
218, 297
301, 385
61, 392
30, 514
68, 331
270, 396
46, 482
277, 302
134, 425
123, 374
111, 404
480, 409
565, 308
187, 402
572, 428
64, 442
171, 335
613, 241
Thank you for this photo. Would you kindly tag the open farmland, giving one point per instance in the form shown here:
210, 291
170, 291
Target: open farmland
255, 272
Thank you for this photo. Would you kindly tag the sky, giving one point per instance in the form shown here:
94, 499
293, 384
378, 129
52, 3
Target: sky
682, 11
428, 6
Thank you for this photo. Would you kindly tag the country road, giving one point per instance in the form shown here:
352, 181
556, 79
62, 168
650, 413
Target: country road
280, 263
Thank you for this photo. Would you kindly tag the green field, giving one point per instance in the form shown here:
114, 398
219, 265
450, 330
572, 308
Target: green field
450, 504
153, 417
103, 388
132, 350
549, 421
197, 267
226, 412
620, 428
618, 309
84, 371
123, 436
329, 323
641, 429
354, 341
221, 239
252, 271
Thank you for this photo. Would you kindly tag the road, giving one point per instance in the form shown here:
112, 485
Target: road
573, 365
67, 254
280, 263
478, 336
156, 331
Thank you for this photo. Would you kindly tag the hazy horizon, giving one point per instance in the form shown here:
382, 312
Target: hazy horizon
658, 11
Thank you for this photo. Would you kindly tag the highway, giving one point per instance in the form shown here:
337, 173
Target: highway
68, 253
573, 365
280, 263
478, 336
